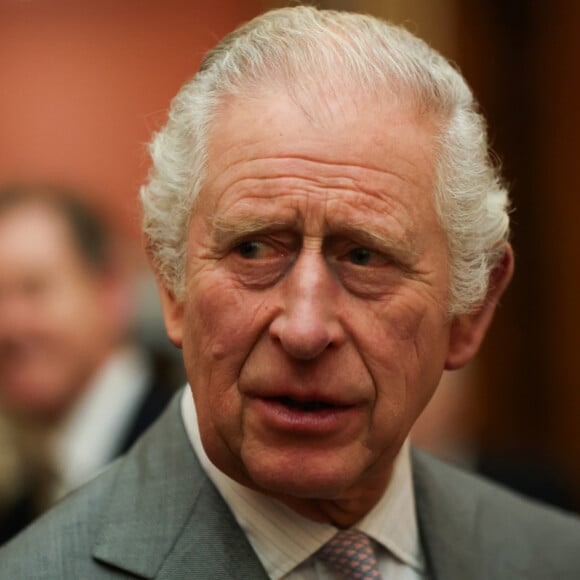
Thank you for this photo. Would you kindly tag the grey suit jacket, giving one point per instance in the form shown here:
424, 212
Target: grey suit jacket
154, 514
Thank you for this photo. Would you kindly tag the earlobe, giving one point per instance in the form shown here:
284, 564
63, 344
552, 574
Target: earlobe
468, 330
172, 314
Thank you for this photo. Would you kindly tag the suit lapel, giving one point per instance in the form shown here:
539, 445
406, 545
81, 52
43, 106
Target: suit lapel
165, 519
212, 545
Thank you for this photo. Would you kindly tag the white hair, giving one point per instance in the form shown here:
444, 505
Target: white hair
301, 48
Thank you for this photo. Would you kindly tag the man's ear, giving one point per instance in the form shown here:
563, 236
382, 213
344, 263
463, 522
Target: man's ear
468, 330
172, 314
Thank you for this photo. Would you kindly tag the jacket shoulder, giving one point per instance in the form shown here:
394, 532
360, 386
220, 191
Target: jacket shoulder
59, 543
125, 522
493, 523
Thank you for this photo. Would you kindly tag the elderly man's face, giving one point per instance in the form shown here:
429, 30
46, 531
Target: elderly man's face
314, 323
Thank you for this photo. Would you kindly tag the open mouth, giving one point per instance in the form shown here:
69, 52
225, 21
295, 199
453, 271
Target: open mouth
307, 406
297, 416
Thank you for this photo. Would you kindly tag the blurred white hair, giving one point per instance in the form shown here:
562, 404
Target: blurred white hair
299, 49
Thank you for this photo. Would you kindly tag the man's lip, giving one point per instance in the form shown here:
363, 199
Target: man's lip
305, 403
295, 398
309, 416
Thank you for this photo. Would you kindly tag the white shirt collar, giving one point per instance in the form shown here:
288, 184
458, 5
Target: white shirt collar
283, 539
88, 438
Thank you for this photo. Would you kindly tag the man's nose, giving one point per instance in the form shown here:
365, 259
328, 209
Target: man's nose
309, 322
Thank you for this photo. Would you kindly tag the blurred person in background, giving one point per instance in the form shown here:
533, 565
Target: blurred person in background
75, 391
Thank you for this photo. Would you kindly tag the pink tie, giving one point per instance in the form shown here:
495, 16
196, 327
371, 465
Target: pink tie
350, 553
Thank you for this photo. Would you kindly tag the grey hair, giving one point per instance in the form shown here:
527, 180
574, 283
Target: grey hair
302, 47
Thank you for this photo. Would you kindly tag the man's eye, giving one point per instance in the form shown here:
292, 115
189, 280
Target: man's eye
360, 256
253, 250
249, 250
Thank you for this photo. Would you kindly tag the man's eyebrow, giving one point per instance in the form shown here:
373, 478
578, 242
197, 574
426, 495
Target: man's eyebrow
401, 248
225, 229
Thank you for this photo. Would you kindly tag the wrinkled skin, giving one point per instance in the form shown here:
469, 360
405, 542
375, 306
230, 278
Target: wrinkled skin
314, 325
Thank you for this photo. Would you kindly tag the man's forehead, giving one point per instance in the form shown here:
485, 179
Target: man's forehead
266, 153
381, 137
324, 105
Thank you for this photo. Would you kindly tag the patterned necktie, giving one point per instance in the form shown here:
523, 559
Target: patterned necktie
350, 553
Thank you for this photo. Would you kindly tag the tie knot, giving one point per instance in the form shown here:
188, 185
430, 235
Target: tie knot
351, 554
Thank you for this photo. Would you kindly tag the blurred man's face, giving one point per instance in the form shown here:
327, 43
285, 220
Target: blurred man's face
53, 324
314, 324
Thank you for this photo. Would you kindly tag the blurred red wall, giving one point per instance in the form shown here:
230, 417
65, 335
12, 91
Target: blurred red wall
83, 83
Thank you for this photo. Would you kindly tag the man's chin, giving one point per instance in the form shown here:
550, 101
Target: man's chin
302, 481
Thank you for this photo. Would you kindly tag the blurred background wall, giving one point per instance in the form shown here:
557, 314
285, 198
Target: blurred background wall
83, 83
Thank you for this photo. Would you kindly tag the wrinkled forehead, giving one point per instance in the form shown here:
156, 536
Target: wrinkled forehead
329, 98
354, 151
323, 123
